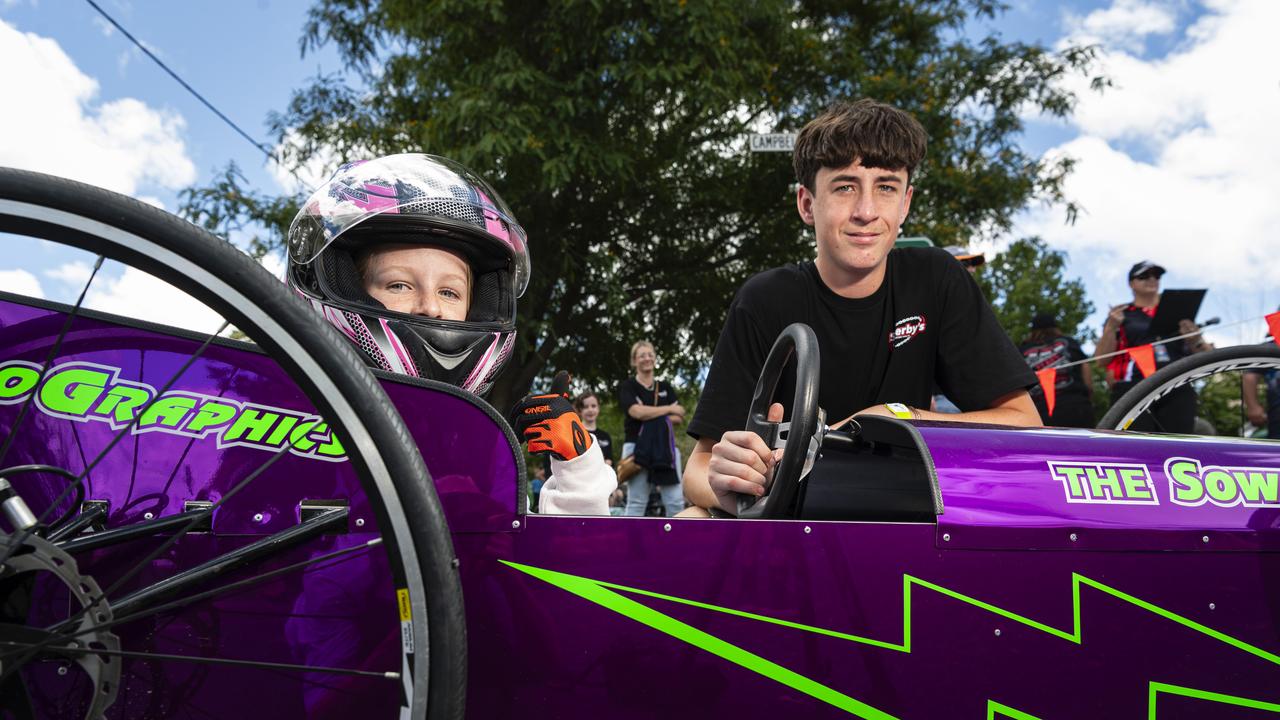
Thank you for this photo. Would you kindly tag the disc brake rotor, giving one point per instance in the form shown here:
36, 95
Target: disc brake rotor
38, 555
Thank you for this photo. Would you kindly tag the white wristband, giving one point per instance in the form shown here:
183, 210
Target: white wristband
900, 410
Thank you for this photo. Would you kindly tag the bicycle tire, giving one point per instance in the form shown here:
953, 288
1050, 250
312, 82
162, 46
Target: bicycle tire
1193, 367
325, 367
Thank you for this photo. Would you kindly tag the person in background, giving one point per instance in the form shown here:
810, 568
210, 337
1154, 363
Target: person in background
1268, 417
651, 403
588, 406
537, 479
1047, 347
1128, 325
970, 260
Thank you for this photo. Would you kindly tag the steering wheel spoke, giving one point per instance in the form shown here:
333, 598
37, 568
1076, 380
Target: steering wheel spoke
797, 342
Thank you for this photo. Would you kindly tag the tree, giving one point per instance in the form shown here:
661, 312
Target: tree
616, 132
1026, 279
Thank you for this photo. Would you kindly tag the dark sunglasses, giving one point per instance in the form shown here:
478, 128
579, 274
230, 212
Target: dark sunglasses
1147, 276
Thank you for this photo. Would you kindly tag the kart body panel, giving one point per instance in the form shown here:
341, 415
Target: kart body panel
1069, 574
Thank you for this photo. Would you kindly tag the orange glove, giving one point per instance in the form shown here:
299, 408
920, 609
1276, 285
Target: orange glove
549, 424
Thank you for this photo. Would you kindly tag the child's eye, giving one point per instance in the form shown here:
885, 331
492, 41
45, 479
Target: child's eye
450, 293
399, 286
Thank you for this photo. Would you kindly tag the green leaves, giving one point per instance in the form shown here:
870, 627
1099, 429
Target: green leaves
616, 131
1026, 279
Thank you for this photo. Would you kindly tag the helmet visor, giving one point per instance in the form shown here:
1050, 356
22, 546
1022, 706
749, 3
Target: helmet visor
425, 187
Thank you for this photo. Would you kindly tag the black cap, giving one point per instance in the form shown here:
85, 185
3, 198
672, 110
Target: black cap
1143, 267
1044, 321
966, 258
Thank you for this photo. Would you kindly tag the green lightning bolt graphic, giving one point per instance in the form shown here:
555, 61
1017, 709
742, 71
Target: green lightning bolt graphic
608, 595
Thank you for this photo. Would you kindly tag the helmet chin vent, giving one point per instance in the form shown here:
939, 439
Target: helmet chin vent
413, 200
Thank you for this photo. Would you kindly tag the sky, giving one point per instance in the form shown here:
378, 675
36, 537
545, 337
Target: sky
1178, 162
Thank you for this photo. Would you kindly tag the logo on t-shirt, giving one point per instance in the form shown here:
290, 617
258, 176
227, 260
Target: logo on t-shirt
905, 329
1050, 355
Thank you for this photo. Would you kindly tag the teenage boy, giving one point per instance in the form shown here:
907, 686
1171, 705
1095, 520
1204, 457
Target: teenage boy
890, 323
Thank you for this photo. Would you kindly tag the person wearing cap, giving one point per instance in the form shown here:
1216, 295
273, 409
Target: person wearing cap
970, 260
1047, 347
1128, 325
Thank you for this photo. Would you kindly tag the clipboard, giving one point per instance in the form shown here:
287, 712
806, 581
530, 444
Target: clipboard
1175, 305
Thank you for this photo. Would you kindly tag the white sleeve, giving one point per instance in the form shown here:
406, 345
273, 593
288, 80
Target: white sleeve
580, 486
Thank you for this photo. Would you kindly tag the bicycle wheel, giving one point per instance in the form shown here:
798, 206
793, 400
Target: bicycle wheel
65, 625
1140, 397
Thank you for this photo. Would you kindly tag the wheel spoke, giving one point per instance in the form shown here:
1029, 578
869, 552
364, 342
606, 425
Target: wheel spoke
224, 589
94, 514
134, 531
76, 484
159, 550
385, 675
417, 551
53, 353
253, 552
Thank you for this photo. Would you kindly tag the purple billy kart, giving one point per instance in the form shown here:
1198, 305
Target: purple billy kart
201, 528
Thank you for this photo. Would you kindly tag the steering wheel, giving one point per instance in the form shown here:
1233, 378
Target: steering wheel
797, 340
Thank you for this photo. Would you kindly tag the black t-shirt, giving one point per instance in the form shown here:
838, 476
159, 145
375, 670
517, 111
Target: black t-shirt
1135, 331
605, 442
927, 323
630, 392
1052, 353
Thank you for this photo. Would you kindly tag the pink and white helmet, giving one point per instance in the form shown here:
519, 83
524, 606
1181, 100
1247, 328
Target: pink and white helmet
416, 199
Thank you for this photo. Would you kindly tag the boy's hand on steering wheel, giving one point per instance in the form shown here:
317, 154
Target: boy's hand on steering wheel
742, 464
548, 423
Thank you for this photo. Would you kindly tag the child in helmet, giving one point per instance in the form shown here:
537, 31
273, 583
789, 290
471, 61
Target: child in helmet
418, 262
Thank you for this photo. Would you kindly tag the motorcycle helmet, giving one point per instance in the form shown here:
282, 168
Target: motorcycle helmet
414, 199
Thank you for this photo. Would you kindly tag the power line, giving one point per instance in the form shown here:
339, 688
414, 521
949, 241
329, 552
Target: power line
262, 148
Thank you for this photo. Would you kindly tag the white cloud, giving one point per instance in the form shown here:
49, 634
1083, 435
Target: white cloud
1179, 162
106, 28
65, 129
21, 282
275, 264
136, 294
311, 175
1124, 25
72, 273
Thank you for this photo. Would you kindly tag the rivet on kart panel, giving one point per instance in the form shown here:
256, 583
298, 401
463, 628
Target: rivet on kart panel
1074, 537
946, 537
807, 529
1213, 606
257, 517
515, 524
666, 527
148, 516
1204, 539
997, 632
62, 669
359, 522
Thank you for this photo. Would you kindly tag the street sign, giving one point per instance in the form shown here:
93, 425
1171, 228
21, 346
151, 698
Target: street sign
918, 241
773, 142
